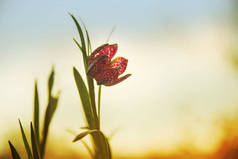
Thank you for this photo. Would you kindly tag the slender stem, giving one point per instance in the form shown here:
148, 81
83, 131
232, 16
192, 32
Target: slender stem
99, 104
110, 34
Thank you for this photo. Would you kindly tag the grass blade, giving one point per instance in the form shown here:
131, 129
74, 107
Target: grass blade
50, 110
80, 31
85, 60
14, 152
106, 146
88, 42
27, 147
36, 116
83, 93
82, 46
51, 81
76, 42
88, 148
89, 79
83, 134
34, 144
89, 49
49, 113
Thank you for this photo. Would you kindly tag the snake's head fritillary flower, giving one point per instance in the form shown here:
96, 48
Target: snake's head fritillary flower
105, 70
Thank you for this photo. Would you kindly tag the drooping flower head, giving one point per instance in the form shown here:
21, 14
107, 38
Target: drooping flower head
105, 70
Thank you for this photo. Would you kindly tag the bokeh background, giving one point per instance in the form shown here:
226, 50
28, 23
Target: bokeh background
181, 101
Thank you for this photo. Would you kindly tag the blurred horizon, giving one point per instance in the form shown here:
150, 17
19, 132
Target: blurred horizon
181, 55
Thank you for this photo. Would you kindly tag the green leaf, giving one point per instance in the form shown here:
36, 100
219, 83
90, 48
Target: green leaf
83, 134
36, 114
14, 152
88, 42
82, 46
76, 42
85, 60
27, 147
88, 148
34, 144
84, 127
83, 93
49, 113
102, 145
89, 49
105, 146
89, 79
80, 31
108, 147
51, 81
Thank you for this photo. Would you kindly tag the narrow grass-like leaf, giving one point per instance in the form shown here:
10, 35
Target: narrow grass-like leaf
89, 49
88, 42
14, 152
83, 45
84, 127
83, 93
80, 31
49, 113
34, 144
87, 147
76, 42
106, 146
27, 147
51, 81
89, 79
50, 110
83, 134
85, 60
36, 116
102, 147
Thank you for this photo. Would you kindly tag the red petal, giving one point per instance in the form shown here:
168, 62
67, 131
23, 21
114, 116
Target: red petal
97, 65
94, 53
120, 63
107, 75
109, 50
118, 80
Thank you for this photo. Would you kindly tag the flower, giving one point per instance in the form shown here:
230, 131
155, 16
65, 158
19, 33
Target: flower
105, 70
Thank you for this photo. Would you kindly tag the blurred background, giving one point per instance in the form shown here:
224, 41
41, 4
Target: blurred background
180, 102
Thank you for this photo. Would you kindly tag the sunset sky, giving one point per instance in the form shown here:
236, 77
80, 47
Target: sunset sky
182, 79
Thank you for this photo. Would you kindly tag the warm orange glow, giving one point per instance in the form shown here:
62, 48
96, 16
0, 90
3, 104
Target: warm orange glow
226, 147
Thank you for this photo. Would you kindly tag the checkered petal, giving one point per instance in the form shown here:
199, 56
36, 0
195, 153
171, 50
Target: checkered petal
120, 63
116, 81
97, 65
106, 76
106, 49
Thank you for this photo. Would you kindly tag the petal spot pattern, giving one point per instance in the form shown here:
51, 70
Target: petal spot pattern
105, 70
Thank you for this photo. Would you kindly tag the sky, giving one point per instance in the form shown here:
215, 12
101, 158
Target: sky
181, 82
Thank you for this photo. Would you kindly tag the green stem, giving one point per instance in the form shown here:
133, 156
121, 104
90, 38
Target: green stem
99, 104
92, 99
